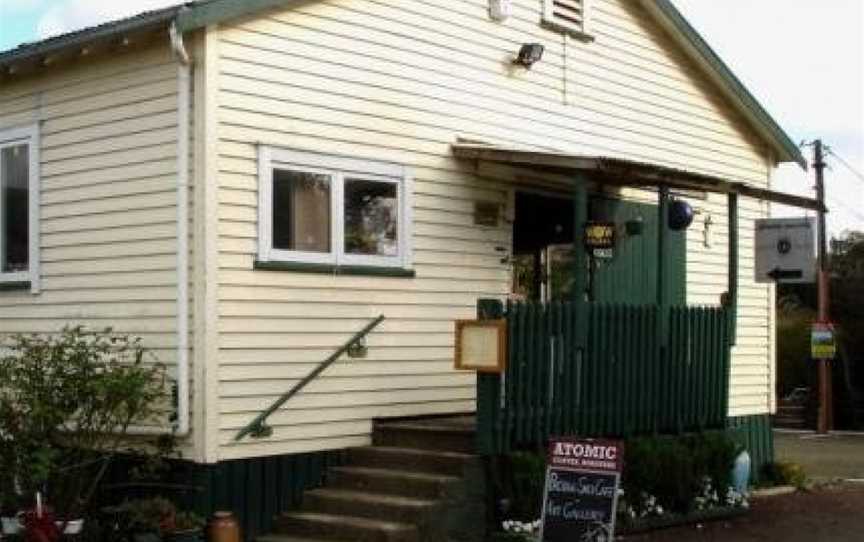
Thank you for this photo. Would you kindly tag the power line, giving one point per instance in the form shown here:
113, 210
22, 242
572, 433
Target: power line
847, 164
857, 214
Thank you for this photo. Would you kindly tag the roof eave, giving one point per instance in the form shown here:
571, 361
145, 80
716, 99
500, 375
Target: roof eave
216, 11
698, 48
26, 53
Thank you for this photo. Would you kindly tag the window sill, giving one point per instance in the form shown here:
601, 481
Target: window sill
15, 286
329, 269
572, 32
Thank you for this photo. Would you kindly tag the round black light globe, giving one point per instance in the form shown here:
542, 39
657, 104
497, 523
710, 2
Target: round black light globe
681, 215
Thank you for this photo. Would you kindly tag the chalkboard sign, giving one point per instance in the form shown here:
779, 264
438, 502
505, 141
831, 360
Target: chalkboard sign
581, 495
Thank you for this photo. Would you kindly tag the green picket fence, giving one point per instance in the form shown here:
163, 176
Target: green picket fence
605, 370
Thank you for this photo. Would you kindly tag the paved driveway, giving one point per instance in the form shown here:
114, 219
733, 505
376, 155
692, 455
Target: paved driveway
823, 457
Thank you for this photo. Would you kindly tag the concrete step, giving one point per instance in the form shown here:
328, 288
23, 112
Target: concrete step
338, 527
393, 482
398, 508
426, 435
411, 459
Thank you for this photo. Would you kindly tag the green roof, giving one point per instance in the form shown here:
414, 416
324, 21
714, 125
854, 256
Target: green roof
194, 15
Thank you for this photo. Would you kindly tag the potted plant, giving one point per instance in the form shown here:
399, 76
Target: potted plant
145, 520
10, 509
188, 527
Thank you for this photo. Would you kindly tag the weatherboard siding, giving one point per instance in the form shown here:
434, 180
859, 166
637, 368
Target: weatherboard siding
108, 131
399, 82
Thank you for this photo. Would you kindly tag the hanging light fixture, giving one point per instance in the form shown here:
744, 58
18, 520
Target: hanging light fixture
681, 215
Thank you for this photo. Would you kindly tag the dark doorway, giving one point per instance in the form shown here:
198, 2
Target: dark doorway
542, 231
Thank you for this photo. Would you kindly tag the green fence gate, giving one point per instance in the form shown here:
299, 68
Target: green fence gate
605, 370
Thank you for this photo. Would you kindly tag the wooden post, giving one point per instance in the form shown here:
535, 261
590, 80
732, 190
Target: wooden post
580, 271
488, 389
662, 280
825, 419
732, 301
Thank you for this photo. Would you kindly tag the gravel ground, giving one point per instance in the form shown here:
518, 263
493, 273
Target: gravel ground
832, 513
838, 455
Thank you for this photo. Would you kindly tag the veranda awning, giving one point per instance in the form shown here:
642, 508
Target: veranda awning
625, 172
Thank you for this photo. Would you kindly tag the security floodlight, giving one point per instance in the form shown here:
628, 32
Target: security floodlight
529, 54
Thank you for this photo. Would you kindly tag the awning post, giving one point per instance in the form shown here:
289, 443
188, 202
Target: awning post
732, 300
580, 270
662, 246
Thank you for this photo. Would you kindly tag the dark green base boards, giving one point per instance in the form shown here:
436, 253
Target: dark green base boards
254, 489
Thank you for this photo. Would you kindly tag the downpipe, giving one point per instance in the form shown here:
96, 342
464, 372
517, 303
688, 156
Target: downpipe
184, 101
184, 79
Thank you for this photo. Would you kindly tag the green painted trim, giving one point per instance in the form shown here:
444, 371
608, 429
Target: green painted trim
217, 11
14, 286
328, 269
748, 101
754, 434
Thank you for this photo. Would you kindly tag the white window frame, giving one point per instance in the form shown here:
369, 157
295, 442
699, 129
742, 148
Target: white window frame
550, 21
13, 137
338, 168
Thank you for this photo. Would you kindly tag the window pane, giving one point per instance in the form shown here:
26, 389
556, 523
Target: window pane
301, 211
371, 218
14, 198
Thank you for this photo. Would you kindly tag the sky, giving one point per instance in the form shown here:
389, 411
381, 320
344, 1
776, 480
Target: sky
803, 60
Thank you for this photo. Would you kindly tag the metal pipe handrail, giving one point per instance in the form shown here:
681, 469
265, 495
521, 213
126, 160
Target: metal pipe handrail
258, 428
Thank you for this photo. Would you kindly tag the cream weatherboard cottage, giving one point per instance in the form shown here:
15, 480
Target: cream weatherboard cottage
246, 185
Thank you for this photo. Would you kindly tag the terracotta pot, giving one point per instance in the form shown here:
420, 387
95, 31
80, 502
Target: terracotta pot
224, 528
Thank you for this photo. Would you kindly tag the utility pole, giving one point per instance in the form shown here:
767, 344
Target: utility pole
826, 396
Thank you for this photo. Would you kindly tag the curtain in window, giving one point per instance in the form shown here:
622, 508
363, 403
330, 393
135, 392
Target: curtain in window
301, 211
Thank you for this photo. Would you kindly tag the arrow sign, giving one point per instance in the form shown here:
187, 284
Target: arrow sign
778, 274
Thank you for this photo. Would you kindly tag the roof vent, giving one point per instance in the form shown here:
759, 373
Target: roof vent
566, 15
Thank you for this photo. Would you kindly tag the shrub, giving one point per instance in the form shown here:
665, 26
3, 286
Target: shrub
67, 402
676, 470
522, 477
786, 474
677, 474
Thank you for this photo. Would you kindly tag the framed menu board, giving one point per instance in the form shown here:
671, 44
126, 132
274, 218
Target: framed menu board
581, 495
481, 345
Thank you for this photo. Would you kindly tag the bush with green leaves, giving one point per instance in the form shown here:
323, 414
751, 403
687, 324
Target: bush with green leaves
662, 474
674, 470
67, 403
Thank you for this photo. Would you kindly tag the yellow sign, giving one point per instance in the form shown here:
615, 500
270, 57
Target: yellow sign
823, 344
600, 235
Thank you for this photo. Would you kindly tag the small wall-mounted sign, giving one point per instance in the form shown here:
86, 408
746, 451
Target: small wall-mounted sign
487, 213
600, 238
581, 495
786, 250
481, 345
823, 343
